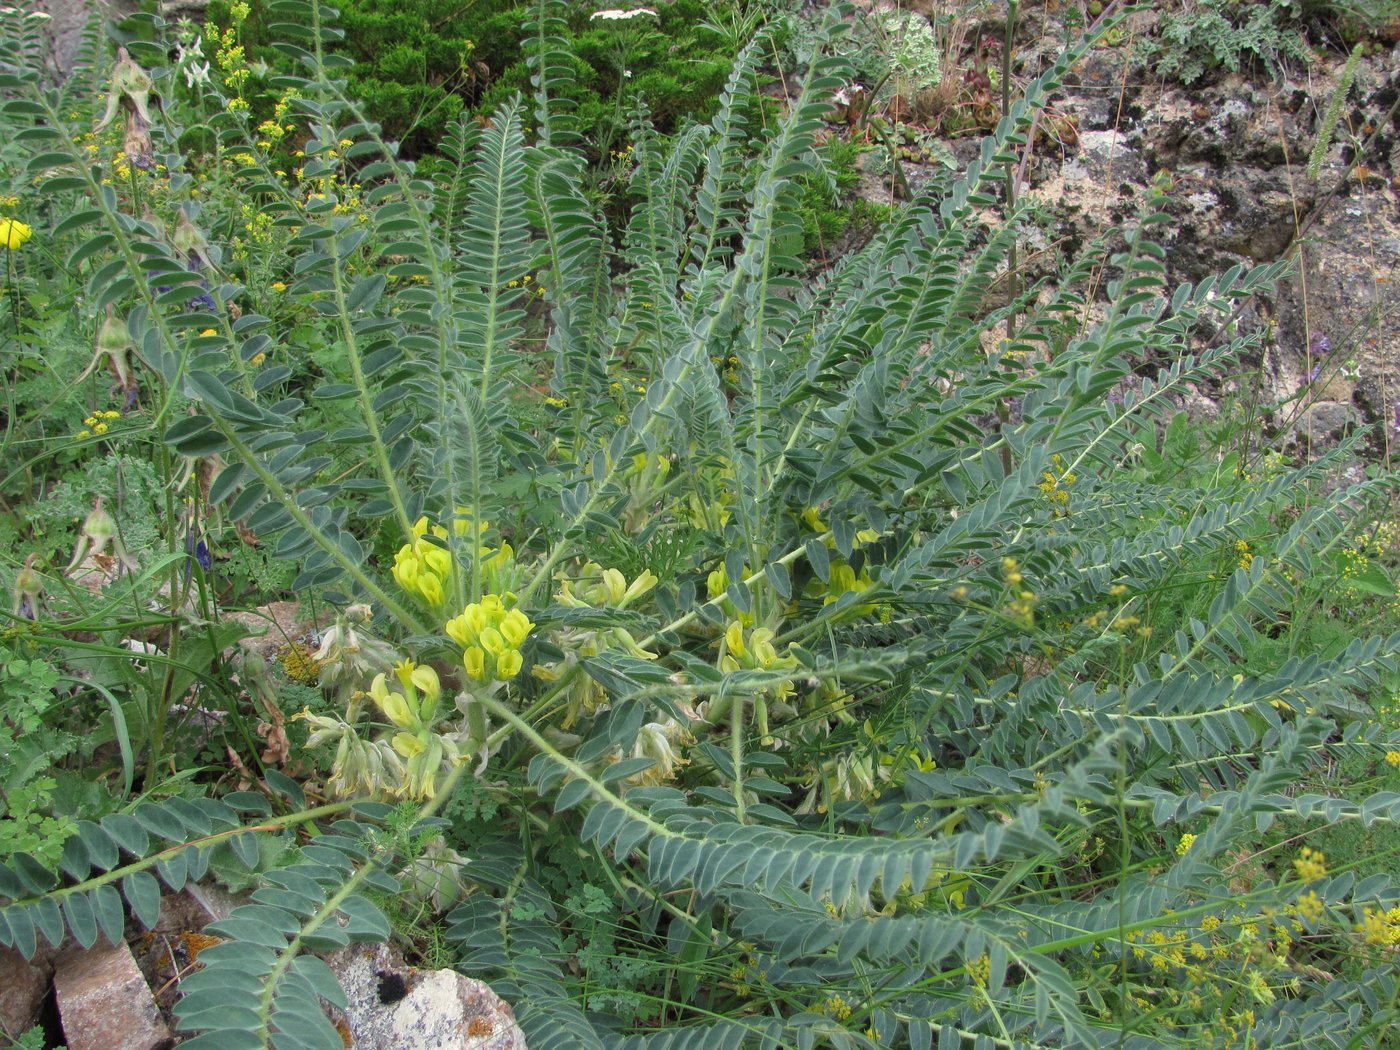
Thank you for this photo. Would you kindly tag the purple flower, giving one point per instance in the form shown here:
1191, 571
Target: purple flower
1316, 371
1319, 344
199, 551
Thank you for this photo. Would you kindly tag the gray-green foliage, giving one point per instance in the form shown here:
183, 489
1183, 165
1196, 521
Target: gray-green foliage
863, 395
1217, 34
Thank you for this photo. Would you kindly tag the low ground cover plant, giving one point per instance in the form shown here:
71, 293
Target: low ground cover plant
715, 652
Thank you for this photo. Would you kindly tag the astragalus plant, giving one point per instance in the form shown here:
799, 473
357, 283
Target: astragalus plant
811, 623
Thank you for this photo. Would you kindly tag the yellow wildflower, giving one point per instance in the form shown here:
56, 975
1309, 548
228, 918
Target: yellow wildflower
14, 233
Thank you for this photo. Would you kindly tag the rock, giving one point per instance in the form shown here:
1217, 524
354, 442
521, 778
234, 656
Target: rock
396, 1007
23, 986
274, 627
69, 20
1324, 423
1106, 161
1349, 291
104, 1002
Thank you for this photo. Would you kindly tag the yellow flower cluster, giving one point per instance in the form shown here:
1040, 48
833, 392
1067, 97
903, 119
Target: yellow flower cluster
14, 233
411, 709
716, 584
1380, 928
980, 970
1021, 607
1184, 846
1308, 907
97, 424
1310, 864
842, 579
1056, 484
756, 652
422, 567
490, 636
605, 588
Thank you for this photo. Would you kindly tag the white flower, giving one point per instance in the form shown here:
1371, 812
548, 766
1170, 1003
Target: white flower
612, 14
197, 73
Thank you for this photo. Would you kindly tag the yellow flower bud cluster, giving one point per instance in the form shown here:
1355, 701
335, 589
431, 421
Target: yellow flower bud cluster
406, 762
424, 567
1056, 484
490, 636
1310, 864
1380, 928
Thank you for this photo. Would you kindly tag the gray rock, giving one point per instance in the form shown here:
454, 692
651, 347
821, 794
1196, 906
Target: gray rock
1105, 159
1325, 423
69, 20
23, 985
396, 1007
104, 1002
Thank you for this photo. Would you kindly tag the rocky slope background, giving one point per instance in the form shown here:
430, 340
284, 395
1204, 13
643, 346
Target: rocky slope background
1255, 176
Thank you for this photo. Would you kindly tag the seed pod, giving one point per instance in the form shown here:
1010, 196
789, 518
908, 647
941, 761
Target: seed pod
27, 592
130, 88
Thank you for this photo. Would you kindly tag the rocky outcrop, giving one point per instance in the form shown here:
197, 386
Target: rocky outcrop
393, 1006
1235, 152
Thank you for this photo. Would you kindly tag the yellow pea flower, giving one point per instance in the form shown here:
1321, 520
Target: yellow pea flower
475, 662
408, 745
508, 664
734, 638
515, 628
491, 640
14, 233
395, 707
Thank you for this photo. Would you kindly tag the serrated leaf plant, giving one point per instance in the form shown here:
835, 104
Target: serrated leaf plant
812, 617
